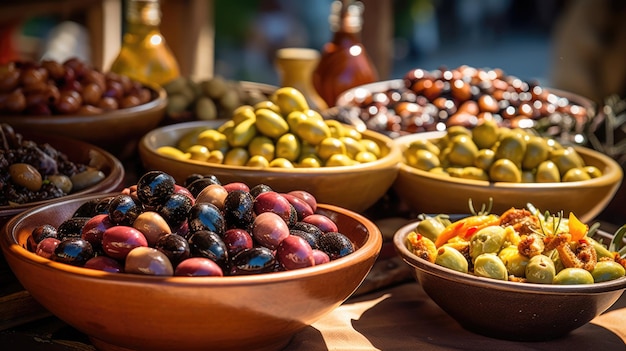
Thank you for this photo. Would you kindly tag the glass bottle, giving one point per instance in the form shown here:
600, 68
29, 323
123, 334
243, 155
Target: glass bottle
295, 69
344, 63
145, 56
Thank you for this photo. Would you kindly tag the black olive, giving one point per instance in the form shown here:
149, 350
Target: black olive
310, 238
191, 178
175, 247
123, 210
256, 260
239, 209
155, 187
293, 216
208, 244
260, 188
335, 245
198, 185
308, 227
71, 227
74, 251
93, 207
175, 209
206, 216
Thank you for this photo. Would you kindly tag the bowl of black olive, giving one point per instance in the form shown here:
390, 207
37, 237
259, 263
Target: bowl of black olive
163, 266
519, 275
75, 100
38, 168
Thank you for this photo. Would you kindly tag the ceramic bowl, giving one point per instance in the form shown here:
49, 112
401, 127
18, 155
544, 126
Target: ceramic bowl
353, 187
79, 152
117, 131
510, 310
431, 193
135, 312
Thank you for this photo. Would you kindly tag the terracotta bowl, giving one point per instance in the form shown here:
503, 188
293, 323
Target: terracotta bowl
117, 132
80, 152
135, 312
510, 310
352, 187
430, 193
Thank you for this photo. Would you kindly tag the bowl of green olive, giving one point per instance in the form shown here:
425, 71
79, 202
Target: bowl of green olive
282, 143
521, 275
442, 171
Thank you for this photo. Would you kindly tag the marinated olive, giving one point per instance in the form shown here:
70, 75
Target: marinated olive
487, 240
569, 276
489, 265
607, 270
540, 269
450, 257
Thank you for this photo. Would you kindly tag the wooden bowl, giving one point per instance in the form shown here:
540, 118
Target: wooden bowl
117, 131
510, 310
426, 192
353, 187
136, 312
79, 152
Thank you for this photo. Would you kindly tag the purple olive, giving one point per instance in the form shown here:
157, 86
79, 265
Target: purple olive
105, 263
272, 201
155, 187
236, 186
322, 222
306, 196
303, 209
119, 240
198, 267
237, 239
94, 229
320, 257
38, 234
46, 247
269, 229
293, 252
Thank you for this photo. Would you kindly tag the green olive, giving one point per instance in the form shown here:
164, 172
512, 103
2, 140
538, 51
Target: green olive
607, 270
514, 262
339, 160
371, 146
540, 270
537, 151
489, 265
289, 99
330, 146
566, 159
310, 161
261, 145
430, 228
512, 146
547, 172
337, 130
485, 135
258, 161
312, 130
453, 131
237, 156
593, 171
422, 144
288, 146
267, 105
528, 177
242, 113
280, 162
424, 160
270, 123
242, 133
463, 151
205, 109
484, 159
213, 140
364, 157
576, 175
294, 118
62, 182
449, 257
487, 240
198, 152
570, 276
353, 146
504, 170
474, 173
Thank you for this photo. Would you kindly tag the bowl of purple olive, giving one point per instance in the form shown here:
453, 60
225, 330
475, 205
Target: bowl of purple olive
74, 100
193, 266
37, 169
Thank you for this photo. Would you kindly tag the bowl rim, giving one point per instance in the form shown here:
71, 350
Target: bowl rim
111, 181
149, 144
157, 103
613, 172
370, 248
423, 265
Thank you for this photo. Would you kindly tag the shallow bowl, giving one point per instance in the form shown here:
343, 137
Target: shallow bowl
135, 312
78, 152
431, 193
510, 310
354, 187
117, 131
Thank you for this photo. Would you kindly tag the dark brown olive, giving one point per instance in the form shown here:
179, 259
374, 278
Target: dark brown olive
209, 245
206, 216
239, 209
73, 251
72, 227
175, 247
259, 188
336, 245
123, 210
253, 261
148, 261
175, 209
155, 187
